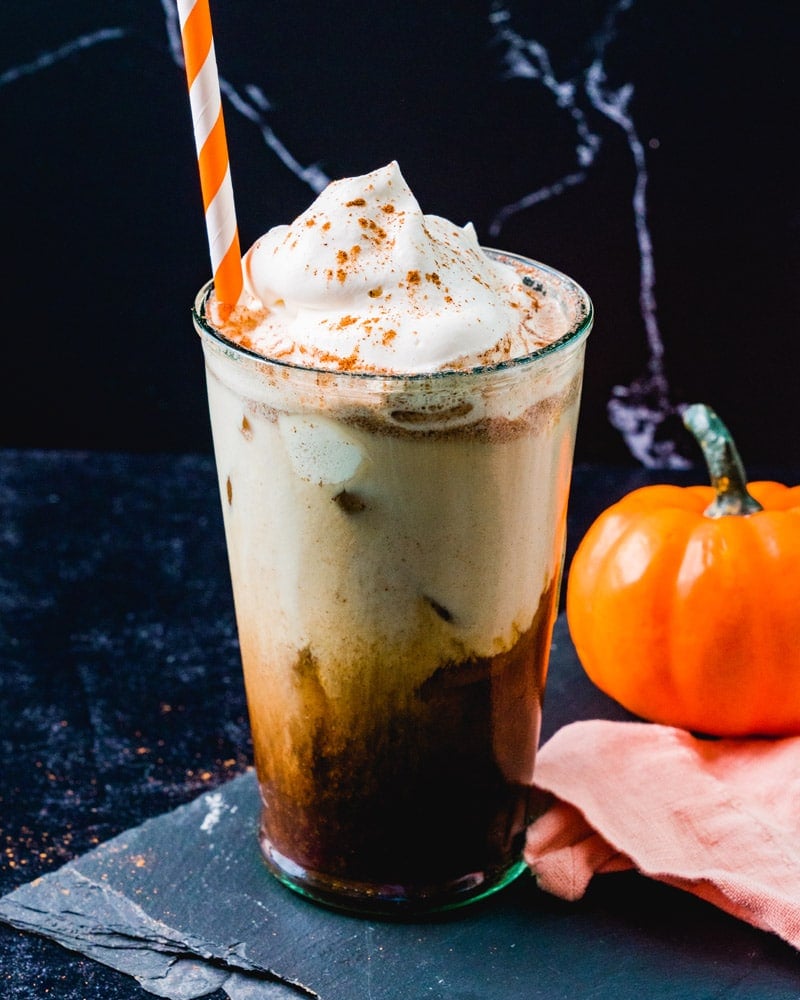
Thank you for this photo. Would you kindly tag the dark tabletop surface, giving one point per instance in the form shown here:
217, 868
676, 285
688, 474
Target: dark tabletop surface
121, 698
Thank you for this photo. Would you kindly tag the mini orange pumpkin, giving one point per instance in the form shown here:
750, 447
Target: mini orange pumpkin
684, 603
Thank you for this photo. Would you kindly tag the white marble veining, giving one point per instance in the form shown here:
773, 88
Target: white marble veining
47, 59
635, 410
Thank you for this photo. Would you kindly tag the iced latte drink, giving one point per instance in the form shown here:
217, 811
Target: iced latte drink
393, 412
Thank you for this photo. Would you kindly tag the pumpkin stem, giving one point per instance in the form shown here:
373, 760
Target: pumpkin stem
724, 465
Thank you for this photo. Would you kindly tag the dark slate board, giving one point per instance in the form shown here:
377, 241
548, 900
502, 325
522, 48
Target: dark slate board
184, 903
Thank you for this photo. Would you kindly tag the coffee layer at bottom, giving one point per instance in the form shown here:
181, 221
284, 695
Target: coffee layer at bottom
435, 790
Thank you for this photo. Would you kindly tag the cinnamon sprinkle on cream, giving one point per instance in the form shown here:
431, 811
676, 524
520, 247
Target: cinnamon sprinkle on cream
338, 288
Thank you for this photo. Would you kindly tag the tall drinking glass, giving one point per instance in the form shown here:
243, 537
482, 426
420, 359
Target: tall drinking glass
396, 545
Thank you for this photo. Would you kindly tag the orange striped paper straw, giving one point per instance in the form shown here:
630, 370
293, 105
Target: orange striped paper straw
212, 149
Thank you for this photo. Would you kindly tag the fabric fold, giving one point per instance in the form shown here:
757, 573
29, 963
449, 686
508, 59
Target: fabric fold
718, 818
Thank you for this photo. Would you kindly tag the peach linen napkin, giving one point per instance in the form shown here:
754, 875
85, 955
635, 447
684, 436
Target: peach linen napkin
719, 818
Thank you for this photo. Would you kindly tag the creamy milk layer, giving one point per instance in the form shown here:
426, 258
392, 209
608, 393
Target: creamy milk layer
364, 281
377, 542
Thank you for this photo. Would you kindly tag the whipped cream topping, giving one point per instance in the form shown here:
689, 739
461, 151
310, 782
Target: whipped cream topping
364, 281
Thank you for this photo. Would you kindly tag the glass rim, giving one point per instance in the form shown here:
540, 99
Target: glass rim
577, 332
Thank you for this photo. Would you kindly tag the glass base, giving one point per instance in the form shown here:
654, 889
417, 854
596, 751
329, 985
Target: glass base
397, 901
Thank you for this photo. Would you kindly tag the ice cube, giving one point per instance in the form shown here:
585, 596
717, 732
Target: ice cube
319, 449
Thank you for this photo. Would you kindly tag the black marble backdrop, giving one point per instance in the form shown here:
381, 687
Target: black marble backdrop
646, 147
